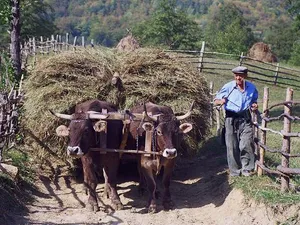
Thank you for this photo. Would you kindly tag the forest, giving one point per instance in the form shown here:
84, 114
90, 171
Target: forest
226, 26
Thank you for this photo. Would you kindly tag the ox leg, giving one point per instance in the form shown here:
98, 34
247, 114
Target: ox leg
90, 182
167, 201
106, 186
142, 182
151, 185
111, 173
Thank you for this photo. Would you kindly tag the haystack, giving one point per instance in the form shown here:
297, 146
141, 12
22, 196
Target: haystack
261, 51
62, 81
128, 43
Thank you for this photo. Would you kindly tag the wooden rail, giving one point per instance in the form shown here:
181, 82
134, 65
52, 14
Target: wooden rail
273, 73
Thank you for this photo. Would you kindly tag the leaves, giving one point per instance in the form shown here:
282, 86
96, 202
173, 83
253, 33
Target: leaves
169, 27
228, 31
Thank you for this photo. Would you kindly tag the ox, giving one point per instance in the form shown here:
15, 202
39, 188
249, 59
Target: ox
84, 133
165, 128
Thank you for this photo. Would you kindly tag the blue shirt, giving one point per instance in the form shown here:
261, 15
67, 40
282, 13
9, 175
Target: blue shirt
238, 100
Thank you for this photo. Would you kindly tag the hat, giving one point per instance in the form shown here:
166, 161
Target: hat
240, 70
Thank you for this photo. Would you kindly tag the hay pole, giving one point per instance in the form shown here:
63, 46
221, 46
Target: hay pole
286, 142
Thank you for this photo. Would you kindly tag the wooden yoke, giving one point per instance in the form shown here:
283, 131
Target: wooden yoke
102, 124
148, 127
103, 134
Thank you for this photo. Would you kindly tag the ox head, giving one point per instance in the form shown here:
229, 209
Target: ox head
165, 127
81, 131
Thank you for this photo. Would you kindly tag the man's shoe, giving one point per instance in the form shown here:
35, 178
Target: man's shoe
247, 173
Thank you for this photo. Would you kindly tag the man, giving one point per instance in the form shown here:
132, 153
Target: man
239, 97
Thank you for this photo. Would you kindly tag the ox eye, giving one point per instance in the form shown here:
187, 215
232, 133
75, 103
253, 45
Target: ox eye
158, 132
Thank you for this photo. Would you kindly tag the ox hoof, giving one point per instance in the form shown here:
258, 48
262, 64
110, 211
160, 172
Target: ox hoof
92, 208
152, 209
117, 205
168, 205
105, 195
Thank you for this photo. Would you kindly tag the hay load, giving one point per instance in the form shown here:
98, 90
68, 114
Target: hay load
62, 81
261, 51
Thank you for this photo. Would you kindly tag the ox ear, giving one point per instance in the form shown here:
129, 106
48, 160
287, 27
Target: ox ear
62, 131
148, 126
100, 126
186, 127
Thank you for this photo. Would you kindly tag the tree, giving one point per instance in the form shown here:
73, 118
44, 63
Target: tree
227, 30
15, 30
295, 55
36, 22
169, 27
294, 10
281, 37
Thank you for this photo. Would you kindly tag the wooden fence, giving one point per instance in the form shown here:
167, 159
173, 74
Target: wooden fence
204, 60
8, 118
10, 98
55, 44
260, 131
212, 62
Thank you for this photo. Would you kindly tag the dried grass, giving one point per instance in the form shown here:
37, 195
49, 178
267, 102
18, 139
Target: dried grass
64, 80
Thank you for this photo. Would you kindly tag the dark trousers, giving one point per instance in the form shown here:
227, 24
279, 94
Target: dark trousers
240, 145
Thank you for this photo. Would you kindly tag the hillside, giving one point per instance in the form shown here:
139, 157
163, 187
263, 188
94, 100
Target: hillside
106, 21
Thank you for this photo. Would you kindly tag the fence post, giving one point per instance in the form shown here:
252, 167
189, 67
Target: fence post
200, 66
74, 44
48, 46
59, 43
52, 43
263, 133
286, 142
41, 45
34, 50
211, 92
241, 58
276, 74
83, 41
67, 41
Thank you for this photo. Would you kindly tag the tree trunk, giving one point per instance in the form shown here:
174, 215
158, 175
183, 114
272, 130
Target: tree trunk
15, 49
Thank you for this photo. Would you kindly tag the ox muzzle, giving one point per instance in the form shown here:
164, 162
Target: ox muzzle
75, 151
170, 153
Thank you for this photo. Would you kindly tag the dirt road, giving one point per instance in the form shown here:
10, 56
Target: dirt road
200, 190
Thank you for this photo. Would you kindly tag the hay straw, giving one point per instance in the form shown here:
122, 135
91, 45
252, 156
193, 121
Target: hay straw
64, 80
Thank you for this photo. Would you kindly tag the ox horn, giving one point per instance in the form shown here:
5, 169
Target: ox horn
96, 115
153, 118
62, 116
188, 113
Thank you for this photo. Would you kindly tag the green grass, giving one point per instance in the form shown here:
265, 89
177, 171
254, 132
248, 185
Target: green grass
265, 189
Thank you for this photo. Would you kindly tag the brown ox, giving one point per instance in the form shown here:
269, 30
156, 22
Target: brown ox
84, 134
166, 128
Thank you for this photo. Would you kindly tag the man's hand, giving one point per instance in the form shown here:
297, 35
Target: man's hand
254, 106
221, 101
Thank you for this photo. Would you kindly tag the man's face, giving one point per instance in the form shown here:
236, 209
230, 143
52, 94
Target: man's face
240, 78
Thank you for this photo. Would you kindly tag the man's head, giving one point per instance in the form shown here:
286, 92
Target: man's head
240, 74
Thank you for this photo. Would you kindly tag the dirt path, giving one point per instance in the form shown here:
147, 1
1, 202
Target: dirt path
200, 191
